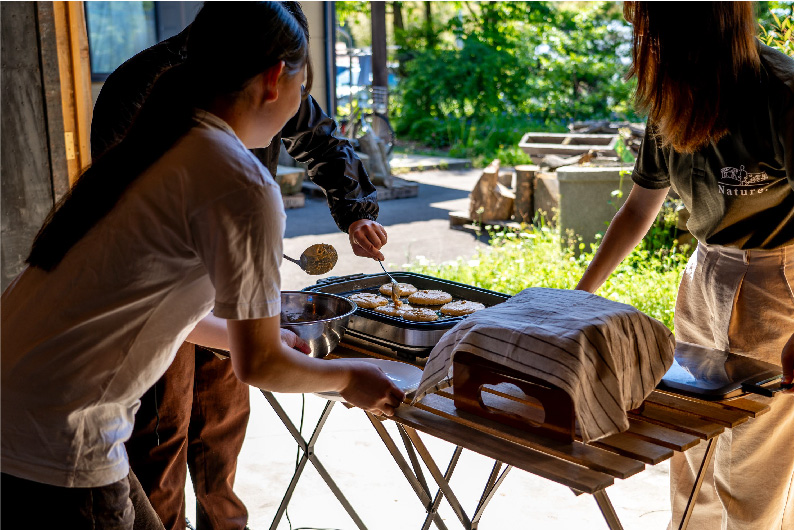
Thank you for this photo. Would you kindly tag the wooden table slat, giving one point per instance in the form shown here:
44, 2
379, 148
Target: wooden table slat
633, 447
748, 406
664, 436
724, 416
575, 452
566, 473
681, 422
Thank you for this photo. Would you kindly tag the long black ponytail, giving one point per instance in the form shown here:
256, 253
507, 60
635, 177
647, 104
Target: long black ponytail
229, 44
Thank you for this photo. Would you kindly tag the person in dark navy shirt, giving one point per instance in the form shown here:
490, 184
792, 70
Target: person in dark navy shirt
720, 133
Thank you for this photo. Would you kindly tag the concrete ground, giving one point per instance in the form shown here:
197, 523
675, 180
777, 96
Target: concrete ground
349, 447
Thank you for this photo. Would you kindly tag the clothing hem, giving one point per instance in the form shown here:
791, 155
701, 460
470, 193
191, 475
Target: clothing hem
648, 183
247, 311
65, 479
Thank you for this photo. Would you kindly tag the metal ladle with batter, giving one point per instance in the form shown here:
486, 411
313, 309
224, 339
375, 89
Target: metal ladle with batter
317, 259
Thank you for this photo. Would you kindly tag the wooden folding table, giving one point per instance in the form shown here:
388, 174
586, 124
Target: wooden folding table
664, 424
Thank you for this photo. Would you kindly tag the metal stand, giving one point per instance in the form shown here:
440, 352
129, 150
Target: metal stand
308, 447
412, 470
416, 479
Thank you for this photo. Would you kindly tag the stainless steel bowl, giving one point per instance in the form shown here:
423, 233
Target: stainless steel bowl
318, 318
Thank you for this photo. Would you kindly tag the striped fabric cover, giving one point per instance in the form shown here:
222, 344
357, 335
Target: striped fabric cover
606, 355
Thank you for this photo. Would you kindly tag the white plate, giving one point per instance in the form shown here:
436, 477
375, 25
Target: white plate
404, 376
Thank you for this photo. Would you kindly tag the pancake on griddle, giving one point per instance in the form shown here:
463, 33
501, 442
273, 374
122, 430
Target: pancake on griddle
404, 289
430, 297
368, 300
461, 308
420, 314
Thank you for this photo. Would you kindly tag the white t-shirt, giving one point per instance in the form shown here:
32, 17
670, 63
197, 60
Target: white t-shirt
201, 228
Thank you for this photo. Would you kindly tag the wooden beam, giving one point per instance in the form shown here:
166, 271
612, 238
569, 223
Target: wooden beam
73, 65
78, 39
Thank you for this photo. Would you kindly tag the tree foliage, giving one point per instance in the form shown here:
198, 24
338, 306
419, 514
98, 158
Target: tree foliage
545, 61
474, 76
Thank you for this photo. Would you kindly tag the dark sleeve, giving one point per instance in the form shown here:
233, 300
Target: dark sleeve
651, 167
125, 90
332, 164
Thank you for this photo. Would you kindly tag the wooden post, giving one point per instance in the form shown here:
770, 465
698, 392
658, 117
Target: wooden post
380, 72
73, 65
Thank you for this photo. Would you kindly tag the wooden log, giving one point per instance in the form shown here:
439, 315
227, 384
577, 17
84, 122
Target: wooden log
490, 200
523, 210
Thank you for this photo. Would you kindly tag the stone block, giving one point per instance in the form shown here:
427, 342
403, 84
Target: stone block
587, 199
289, 179
546, 195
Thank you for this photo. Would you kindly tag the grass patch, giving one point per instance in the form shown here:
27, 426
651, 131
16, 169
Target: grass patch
538, 256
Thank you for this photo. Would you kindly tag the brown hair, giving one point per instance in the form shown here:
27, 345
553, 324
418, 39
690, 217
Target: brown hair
692, 61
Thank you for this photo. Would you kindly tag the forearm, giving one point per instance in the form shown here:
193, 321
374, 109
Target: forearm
260, 359
210, 332
626, 230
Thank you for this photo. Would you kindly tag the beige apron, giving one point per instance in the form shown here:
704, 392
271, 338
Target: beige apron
741, 301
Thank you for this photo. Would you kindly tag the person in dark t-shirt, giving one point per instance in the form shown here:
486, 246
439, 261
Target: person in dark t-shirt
195, 417
720, 133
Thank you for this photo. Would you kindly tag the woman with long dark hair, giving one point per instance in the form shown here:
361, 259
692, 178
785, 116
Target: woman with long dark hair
177, 219
720, 132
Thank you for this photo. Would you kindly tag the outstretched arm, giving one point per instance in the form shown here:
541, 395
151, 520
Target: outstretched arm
626, 230
261, 359
211, 332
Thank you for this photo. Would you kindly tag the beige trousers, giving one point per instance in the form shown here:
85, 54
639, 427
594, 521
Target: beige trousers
741, 301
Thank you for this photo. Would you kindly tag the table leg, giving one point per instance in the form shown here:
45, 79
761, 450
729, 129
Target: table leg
607, 510
691, 501
438, 477
415, 463
308, 448
437, 499
419, 486
488, 492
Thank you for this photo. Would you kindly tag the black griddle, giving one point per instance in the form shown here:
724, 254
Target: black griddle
403, 338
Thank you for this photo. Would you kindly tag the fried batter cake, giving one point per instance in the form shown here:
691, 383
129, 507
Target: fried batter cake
460, 308
368, 300
430, 297
404, 289
420, 314
392, 310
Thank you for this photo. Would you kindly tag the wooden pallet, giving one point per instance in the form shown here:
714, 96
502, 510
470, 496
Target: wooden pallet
460, 220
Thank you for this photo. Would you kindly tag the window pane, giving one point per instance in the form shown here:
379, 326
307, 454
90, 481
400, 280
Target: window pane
117, 31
